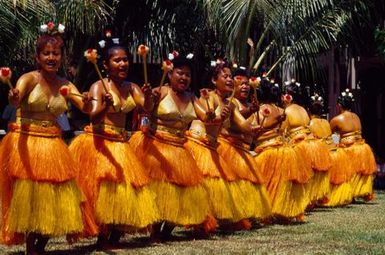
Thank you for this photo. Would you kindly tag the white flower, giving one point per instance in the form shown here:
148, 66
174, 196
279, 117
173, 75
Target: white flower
347, 90
319, 98
287, 83
190, 56
343, 94
292, 80
61, 28
171, 56
213, 63
312, 98
115, 40
44, 28
102, 44
350, 94
235, 65
276, 85
242, 67
298, 84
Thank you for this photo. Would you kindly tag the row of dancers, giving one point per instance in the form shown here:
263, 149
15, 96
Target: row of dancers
221, 160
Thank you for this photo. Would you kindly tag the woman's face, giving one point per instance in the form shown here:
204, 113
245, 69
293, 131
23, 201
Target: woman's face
224, 81
242, 92
49, 58
180, 78
117, 64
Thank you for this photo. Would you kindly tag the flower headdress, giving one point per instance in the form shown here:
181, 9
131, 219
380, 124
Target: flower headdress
345, 96
108, 41
316, 98
51, 29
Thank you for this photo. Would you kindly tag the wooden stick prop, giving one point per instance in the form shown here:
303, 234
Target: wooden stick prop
92, 55
66, 91
167, 66
206, 97
5, 76
237, 84
142, 52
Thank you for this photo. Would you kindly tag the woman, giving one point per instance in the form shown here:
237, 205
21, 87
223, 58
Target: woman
285, 173
40, 198
315, 153
175, 178
226, 191
341, 170
110, 173
348, 125
235, 140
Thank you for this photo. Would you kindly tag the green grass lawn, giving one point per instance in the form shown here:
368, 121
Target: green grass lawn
355, 229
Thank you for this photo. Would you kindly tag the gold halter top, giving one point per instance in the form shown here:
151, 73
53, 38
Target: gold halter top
128, 105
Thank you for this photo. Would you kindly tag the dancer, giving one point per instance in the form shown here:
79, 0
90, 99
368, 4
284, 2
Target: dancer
348, 125
111, 175
181, 197
235, 139
285, 172
341, 171
40, 198
314, 151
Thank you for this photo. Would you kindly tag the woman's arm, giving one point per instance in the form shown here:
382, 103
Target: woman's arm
99, 106
143, 97
23, 85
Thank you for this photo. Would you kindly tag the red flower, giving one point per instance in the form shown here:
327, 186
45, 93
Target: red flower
168, 62
175, 53
50, 25
204, 93
253, 78
287, 98
5, 72
266, 112
108, 33
64, 91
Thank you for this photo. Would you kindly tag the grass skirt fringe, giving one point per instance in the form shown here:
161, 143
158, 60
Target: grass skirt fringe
37, 186
364, 165
341, 174
249, 192
176, 179
317, 152
287, 177
53, 209
114, 181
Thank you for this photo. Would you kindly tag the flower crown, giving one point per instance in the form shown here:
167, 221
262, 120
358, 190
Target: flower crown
292, 81
108, 34
317, 98
215, 63
346, 94
175, 54
51, 29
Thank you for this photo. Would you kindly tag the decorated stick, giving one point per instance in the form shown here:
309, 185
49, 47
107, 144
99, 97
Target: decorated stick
91, 56
5, 76
167, 66
265, 113
143, 51
254, 82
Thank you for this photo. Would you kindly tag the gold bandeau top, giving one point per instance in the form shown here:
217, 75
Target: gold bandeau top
168, 110
38, 101
126, 107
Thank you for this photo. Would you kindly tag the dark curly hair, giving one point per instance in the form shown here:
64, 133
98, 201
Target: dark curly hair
269, 92
346, 99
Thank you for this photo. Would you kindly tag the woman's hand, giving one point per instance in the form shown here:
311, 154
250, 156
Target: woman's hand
13, 96
107, 99
254, 107
226, 111
147, 91
210, 115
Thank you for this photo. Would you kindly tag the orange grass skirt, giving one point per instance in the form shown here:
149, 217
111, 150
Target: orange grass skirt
286, 175
364, 166
175, 178
316, 153
113, 179
225, 192
38, 189
250, 194
341, 174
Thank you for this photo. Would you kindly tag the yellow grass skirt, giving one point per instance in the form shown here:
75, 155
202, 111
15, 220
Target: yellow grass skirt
341, 174
248, 191
113, 179
287, 177
226, 196
316, 153
176, 179
37, 185
364, 166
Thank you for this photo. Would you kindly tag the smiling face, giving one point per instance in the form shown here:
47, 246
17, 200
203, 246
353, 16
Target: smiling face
180, 78
117, 64
49, 58
242, 92
224, 81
